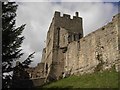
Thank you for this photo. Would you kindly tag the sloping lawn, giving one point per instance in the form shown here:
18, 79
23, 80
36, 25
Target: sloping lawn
106, 79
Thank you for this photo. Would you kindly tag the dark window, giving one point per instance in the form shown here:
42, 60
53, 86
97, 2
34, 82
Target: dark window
58, 35
74, 38
46, 68
69, 38
58, 28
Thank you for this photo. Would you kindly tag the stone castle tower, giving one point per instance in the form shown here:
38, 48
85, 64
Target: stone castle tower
62, 31
67, 52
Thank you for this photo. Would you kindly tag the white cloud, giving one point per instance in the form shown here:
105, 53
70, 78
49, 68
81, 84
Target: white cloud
38, 16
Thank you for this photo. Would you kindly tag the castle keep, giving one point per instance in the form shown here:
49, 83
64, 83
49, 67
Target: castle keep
67, 52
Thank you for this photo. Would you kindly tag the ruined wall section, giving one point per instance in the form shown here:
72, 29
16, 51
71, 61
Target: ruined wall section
36, 72
96, 51
71, 62
116, 19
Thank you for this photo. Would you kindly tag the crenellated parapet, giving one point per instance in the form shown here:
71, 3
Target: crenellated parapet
71, 24
65, 16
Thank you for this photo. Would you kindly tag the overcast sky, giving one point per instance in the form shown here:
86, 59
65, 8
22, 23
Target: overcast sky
38, 15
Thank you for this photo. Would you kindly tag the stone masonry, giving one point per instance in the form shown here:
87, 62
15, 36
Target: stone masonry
67, 52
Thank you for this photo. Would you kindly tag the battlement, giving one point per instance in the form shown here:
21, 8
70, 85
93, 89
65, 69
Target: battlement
65, 21
66, 16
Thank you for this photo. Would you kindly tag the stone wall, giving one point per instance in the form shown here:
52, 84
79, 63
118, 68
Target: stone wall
63, 37
48, 55
96, 51
37, 72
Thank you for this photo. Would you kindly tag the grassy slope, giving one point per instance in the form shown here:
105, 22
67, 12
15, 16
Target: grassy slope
106, 79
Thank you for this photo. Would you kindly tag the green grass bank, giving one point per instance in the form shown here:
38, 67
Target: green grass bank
106, 79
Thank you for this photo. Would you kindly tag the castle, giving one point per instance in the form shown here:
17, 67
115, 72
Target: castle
67, 52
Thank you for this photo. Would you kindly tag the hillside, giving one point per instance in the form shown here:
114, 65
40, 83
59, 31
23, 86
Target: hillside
106, 79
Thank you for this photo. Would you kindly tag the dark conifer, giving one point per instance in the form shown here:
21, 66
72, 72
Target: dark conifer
11, 42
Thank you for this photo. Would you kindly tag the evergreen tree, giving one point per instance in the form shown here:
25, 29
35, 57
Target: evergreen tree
11, 42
